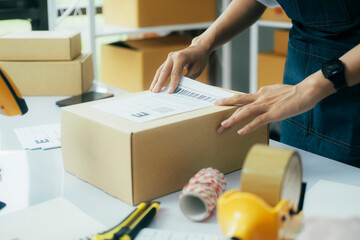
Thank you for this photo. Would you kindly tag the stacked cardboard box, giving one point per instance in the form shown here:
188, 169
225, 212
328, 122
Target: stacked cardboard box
132, 65
46, 63
272, 64
145, 13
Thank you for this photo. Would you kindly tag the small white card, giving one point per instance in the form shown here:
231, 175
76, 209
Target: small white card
189, 95
57, 219
332, 199
40, 137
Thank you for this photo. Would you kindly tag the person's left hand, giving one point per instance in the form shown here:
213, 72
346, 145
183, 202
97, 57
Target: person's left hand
274, 103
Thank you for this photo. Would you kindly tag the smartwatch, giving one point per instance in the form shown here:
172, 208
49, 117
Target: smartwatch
334, 70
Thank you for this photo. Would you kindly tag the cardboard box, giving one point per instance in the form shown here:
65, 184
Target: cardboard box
40, 46
275, 14
132, 65
137, 162
281, 38
51, 77
271, 69
145, 13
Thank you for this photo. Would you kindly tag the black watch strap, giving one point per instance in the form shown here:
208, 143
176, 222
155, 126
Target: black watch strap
334, 70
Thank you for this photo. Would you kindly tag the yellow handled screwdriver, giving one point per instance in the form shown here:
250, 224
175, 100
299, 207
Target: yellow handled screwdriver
129, 233
132, 224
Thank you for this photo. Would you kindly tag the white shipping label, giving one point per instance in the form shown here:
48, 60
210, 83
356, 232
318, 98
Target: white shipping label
189, 95
40, 137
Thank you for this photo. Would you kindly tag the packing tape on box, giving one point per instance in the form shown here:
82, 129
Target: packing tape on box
199, 195
273, 174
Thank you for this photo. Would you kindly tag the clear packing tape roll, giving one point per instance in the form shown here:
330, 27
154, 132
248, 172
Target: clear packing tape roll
266, 205
273, 174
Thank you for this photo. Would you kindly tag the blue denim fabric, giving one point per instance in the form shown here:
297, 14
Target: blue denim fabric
322, 30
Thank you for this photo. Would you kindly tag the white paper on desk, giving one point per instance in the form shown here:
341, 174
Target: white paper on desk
57, 219
331, 199
40, 137
189, 95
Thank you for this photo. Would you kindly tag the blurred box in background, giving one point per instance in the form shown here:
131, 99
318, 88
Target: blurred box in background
272, 64
51, 77
40, 46
281, 38
271, 69
275, 14
131, 65
147, 13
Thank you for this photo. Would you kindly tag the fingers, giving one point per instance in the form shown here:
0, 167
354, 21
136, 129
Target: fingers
163, 74
172, 67
254, 124
237, 99
176, 73
155, 80
240, 115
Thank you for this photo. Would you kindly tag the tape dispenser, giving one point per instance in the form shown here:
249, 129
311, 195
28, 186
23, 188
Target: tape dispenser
11, 101
269, 202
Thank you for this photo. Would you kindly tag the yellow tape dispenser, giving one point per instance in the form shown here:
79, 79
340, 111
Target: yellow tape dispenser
266, 207
11, 101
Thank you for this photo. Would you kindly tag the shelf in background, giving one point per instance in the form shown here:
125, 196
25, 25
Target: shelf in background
107, 29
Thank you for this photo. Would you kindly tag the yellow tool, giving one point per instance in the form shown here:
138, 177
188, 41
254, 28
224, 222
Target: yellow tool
246, 216
11, 101
132, 224
267, 206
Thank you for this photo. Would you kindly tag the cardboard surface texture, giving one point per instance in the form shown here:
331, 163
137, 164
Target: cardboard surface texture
281, 38
145, 13
51, 77
40, 46
131, 65
275, 14
271, 69
141, 161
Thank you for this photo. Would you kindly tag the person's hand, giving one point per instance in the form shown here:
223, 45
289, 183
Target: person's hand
275, 103
192, 60
330, 229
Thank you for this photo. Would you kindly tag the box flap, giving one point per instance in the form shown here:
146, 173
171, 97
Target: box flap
154, 43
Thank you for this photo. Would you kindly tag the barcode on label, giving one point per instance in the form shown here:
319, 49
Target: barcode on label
163, 110
192, 94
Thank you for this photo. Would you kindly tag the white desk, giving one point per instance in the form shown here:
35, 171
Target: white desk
32, 177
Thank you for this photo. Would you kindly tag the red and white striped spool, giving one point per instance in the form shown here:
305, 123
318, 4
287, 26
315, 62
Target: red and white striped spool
199, 195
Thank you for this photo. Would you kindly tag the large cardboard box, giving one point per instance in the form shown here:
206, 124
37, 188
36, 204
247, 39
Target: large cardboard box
271, 68
132, 65
51, 77
145, 13
281, 38
40, 46
275, 14
141, 161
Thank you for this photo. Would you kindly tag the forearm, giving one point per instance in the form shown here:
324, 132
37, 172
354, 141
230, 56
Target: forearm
320, 87
239, 15
351, 61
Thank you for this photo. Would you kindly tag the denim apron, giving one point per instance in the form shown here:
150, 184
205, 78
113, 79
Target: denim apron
322, 30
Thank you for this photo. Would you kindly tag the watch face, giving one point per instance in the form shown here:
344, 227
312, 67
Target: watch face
332, 68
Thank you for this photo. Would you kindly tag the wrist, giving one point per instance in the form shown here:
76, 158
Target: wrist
203, 42
317, 86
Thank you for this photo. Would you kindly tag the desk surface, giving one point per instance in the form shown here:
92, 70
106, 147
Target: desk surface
32, 177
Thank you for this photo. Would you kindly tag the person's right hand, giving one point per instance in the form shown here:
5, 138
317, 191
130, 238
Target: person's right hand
191, 60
